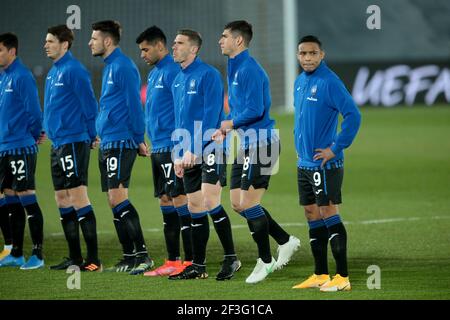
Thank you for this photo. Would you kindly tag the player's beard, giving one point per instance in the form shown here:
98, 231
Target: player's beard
99, 53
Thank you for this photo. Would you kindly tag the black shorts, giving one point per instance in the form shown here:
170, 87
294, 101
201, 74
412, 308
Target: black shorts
320, 186
253, 166
165, 182
70, 165
210, 171
17, 171
115, 166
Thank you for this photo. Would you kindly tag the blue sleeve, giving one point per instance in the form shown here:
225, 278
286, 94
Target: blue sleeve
341, 99
130, 82
213, 106
85, 93
30, 99
252, 104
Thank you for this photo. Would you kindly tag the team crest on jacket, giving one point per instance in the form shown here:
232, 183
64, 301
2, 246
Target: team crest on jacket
192, 87
313, 93
58, 82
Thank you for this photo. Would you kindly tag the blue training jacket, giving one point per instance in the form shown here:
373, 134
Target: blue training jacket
70, 107
198, 96
249, 98
121, 115
159, 109
20, 110
319, 98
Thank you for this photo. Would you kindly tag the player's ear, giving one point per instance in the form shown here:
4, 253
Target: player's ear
322, 54
240, 40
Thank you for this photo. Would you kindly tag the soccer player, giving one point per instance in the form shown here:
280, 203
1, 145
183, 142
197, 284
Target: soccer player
20, 132
198, 99
120, 126
160, 123
319, 98
249, 100
70, 109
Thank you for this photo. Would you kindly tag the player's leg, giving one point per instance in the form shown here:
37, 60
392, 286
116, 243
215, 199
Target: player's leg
74, 160
162, 168
213, 180
171, 230
126, 263
17, 223
69, 222
222, 225
318, 233
192, 181
328, 200
119, 167
36, 225
286, 242
23, 170
88, 224
68, 215
5, 225
180, 203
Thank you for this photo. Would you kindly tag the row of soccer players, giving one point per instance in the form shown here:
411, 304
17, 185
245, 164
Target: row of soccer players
181, 90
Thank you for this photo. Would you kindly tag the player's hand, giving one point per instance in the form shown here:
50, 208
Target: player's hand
143, 150
95, 143
188, 160
324, 154
42, 138
226, 126
218, 136
178, 167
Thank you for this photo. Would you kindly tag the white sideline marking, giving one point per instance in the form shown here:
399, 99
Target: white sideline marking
295, 224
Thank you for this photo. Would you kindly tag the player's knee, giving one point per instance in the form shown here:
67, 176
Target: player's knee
179, 201
312, 212
165, 201
115, 198
236, 207
195, 207
211, 203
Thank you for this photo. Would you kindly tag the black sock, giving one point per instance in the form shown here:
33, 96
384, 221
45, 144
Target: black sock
17, 221
130, 219
124, 238
222, 226
275, 230
171, 232
122, 231
200, 236
259, 226
69, 222
186, 231
338, 241
318, 240
35, 222
5, 226
88, 224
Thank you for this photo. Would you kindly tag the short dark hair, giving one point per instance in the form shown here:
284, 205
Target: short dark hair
310, 38
193, 36
63, 33
243, 28
10, 41
110, 27
152, 35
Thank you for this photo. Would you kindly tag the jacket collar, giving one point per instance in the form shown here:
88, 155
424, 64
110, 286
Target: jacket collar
115, 54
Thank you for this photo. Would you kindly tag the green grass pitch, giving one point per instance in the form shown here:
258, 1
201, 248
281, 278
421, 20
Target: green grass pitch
396, 205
